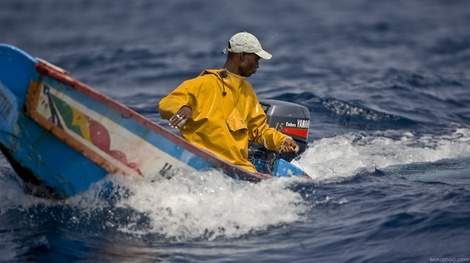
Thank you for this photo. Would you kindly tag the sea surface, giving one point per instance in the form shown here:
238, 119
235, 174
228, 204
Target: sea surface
387, 84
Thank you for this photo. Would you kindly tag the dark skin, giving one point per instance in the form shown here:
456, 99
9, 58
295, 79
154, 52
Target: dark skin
242, 64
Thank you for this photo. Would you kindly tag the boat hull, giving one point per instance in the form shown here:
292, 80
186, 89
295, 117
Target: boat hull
61, 136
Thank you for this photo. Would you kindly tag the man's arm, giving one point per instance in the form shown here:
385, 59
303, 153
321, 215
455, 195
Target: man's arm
271, 138
173, 102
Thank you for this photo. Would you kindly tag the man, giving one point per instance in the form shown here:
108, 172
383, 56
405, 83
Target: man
220, 112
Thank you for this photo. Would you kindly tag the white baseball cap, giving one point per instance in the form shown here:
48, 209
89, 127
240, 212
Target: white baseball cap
246, 43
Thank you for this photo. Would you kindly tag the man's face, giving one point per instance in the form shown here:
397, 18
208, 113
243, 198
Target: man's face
249, 64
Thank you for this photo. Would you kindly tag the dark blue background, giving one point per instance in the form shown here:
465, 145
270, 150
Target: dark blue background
386, 83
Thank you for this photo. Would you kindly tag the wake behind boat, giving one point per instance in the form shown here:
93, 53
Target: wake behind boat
61, 136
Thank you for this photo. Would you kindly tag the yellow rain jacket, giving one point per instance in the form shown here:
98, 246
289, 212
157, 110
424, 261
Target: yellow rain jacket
226, 115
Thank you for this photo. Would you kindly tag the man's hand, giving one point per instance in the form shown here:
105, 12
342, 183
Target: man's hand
181, 117
289, 146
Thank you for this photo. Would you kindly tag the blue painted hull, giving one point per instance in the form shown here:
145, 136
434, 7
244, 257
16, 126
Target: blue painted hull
61, 136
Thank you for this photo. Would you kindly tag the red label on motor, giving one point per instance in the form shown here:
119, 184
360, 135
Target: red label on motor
296, 132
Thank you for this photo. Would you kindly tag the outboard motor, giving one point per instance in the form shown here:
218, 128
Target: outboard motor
289, 118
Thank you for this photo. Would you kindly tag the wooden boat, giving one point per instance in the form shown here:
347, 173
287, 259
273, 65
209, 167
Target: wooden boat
61, 136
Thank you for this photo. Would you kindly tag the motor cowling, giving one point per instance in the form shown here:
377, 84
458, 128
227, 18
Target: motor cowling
289, 118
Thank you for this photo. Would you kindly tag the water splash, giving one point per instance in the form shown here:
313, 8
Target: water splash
210, 205
343, 156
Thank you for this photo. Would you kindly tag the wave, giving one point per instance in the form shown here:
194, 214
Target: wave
344, 156
347, 114
208, 205
191, 206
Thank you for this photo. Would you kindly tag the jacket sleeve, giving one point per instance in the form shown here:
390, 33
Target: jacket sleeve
261, 133
179, 97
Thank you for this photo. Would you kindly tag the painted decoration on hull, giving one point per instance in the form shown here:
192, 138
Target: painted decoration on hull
63, 115
102, 140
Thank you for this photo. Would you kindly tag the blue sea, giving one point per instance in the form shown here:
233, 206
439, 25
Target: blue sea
387, 84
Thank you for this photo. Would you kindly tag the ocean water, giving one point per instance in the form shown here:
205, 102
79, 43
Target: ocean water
387, 86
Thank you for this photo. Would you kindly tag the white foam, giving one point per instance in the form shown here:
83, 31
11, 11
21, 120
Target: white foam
346, 155
210, 204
